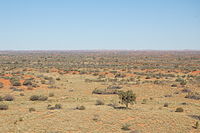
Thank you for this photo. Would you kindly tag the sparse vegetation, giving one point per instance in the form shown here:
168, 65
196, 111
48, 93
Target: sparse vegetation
51, 94
3, 107
166, 105
179, 109
99, 102
32, 109
196, 125
15, 82
65, 79
193, 95
57, 106
1, 85
126, 127
38, 98
27, 82
80, 107
8, 98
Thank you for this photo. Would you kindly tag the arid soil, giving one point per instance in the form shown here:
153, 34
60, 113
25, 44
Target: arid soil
67, 83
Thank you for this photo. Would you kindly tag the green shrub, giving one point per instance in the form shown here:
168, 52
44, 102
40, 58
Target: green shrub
21, 94
126, 127
183, 83
99, 102
80, 107
8, 98
166, 105
27, 82
173, 85
104, 91
51, 94
38, 98
15, 82
57, 106
1, 85
144, 101
179, 109
58, 79
96, 118
193, 95
31, 109
196, 125
1, 98
127, 97
3, 107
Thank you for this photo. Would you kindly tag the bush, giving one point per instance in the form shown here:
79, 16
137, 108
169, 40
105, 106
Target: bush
27, 82
193, 95
1, 98
127, 97
38, 98
114, 87
166, 105
104, 91
125, 127
51, 94
186, 90
15, 82
57, 106
43, 81
96, 118
16, 89
99, 102
21, 94
196, 125
173, 85
179, 109
58, 79
80, 107
3, 107
1, 85
8, 98
31, 109
144, 101
183, 83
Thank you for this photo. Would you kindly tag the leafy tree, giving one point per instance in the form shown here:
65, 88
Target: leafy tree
127, 97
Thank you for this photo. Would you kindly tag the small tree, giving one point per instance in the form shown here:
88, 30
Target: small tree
127, 97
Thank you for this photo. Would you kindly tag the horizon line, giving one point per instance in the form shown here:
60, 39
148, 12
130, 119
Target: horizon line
100, 50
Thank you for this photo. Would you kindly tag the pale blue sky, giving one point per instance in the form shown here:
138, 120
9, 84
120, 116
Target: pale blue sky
99, 24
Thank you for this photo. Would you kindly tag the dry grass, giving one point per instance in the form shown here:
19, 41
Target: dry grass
61, 108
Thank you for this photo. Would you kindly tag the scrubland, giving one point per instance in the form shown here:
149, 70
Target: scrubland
78, 91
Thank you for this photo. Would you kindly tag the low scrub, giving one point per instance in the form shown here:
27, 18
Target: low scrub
80, 107
1, 98
15, 82
193, 95
104, 91
27, 82
1, 85
99, 102
8, 98
31, 109
114, 87
126, 127
57, 106
3, 107
38, 98
179, 109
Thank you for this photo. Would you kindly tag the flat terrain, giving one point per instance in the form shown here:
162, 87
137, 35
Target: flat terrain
162, 81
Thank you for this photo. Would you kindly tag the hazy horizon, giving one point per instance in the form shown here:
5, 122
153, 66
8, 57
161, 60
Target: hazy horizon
100, 25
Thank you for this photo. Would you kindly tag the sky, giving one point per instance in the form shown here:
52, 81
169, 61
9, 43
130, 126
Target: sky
99, 24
